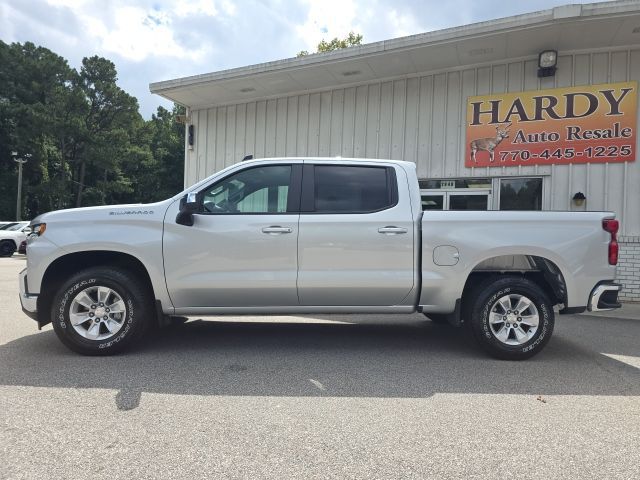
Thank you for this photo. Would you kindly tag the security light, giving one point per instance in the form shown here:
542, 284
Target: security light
190, 137
547, 61
579, 199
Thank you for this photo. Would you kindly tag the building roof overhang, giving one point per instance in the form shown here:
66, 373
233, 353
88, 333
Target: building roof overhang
565, 28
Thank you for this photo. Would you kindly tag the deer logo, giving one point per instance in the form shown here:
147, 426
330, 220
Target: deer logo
489, 144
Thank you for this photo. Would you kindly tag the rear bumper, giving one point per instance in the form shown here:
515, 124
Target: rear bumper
28, 301
604, 297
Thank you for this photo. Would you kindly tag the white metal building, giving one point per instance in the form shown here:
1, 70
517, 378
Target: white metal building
407, 99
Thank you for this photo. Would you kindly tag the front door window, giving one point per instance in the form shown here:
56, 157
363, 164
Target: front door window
254, 190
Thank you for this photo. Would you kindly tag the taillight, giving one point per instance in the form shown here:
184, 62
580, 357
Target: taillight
611, 225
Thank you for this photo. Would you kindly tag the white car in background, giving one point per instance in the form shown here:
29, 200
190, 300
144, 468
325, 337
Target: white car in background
12, 237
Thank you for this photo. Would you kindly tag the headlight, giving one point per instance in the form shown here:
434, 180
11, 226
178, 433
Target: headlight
38, 229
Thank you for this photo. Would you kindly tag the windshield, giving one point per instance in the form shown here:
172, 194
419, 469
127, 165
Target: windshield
6, 226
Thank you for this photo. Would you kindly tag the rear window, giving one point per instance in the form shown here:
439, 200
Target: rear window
353, 189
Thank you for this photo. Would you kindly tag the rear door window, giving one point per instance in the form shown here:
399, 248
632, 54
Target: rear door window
351, 189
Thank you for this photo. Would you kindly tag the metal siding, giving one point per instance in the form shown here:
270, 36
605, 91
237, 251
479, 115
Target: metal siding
221, 132
211, 144
302, 132
373, 121
190, 159
281, 127
468, 90
261, 129
349, 125
385, 123
422, 119
425, 125
240, 134
250, 130
270, 130
291, 134
230, 156
201, 142
454, 124
410, 136
438, 128
337, 117
398, 107
314, 125
324, 140
360, 122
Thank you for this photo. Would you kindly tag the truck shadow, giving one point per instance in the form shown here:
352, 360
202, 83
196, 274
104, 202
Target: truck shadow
413, 358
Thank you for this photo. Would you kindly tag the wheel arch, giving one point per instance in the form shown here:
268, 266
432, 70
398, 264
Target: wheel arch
543, 271
62, 267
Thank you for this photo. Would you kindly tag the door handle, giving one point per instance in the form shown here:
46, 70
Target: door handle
390, 230
276, 230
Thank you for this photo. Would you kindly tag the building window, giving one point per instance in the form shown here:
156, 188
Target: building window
456, 194
521, 194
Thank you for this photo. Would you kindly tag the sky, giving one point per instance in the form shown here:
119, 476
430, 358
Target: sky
154, 40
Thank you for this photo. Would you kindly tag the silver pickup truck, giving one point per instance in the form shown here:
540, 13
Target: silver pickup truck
315, 235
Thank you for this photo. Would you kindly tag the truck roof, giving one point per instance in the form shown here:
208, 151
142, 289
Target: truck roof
334, 159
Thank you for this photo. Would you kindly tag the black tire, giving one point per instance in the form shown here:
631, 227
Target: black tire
7, 248
487, 297
137, 300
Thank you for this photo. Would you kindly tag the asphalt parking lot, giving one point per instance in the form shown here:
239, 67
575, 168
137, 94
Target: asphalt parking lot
317, 397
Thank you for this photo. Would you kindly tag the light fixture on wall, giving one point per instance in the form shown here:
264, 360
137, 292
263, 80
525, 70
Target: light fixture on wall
547, 61
579, 199
190, 137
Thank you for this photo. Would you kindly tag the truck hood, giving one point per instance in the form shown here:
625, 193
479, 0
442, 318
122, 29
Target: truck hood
134, 211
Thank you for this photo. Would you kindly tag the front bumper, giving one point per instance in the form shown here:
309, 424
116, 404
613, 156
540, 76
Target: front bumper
28, 301
604, 297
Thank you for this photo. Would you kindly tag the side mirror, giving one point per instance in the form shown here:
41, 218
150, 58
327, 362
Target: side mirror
188, 206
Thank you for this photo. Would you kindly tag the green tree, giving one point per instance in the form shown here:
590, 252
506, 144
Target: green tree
351, 40
107, 135
89, 144
159, 175
33, 80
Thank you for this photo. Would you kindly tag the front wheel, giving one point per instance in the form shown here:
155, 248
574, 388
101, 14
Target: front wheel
7, 248
512, 318
101, 311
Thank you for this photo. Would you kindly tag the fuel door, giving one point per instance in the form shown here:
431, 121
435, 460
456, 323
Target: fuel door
445, 255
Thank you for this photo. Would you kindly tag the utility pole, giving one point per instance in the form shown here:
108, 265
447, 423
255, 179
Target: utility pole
20, 162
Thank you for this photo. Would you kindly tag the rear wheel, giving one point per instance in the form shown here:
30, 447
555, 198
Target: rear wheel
7, 248
101, 311
511, 318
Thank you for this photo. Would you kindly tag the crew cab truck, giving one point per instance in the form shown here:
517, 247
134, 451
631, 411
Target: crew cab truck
315, 235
